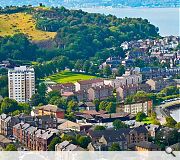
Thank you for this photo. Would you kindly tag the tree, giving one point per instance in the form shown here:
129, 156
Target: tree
170, 122
117, 124
36, 99
10, 147
141, 96
170, 90
25, 107
9, 105
115, 147
102, 105
86, 66
120, 70
93, 69
72, 106
166, 137
96, 103
69, 138
177, 125
107, 71
99, 128
78, 66
111, 108
54, 141
51, 94
140, 116
42, 89
83, 141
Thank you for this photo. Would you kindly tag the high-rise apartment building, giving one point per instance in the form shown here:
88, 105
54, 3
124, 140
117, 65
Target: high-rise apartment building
21, 83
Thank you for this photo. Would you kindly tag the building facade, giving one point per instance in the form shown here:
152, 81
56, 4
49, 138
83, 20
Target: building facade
133, 109
21, 83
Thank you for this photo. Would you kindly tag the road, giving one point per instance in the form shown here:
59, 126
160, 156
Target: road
161, 115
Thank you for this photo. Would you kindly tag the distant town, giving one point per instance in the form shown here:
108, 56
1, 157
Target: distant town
125, 108
99, 3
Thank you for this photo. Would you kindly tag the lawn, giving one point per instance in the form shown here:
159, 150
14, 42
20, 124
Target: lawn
147, 120
11, 24
67, 76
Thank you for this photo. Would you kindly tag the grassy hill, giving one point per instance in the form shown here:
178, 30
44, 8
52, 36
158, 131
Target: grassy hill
67, 76
11, 24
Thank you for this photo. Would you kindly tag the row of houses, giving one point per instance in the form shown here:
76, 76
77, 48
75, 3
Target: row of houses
32, 137
128, 84
43, 122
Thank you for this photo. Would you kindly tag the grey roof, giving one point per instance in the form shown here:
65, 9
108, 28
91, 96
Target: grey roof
3, 116
63, 144
152, 127
148, 145
47, 135
31, 129
113, 134
67, 146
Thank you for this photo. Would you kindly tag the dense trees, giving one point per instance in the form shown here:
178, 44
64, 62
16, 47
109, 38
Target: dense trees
166, 137
114, 147
140, 116
10, 147
99, 128
117, 124
170, 122
51, 146
12, 106
110, 107
84, 35
17, 47
3, 86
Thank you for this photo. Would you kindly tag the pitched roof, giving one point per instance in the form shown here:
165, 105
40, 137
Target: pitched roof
148, 145
115, 133
140, 129
50, 107
102, 87
113, 115
91, 81
91, 112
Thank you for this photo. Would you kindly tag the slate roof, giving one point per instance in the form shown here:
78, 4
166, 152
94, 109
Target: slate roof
84, 82
50, 107
147, 145
115, 133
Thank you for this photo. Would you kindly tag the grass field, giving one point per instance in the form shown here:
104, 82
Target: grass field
147, 120
67, 76
11, 24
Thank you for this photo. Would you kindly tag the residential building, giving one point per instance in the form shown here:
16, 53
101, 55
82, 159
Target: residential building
69, 125
144, 146
81, 95
21, 83
157, 84
125, 136
152, 129
4, 142
67, 146
104, 118
7, 123
100, 92
86, 84
113, 62
86, 106
124, 91
126, 79
51, 110
32, 137
134, 108
66, 87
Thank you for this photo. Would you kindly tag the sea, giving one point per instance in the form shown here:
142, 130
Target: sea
175, 114
166, 19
